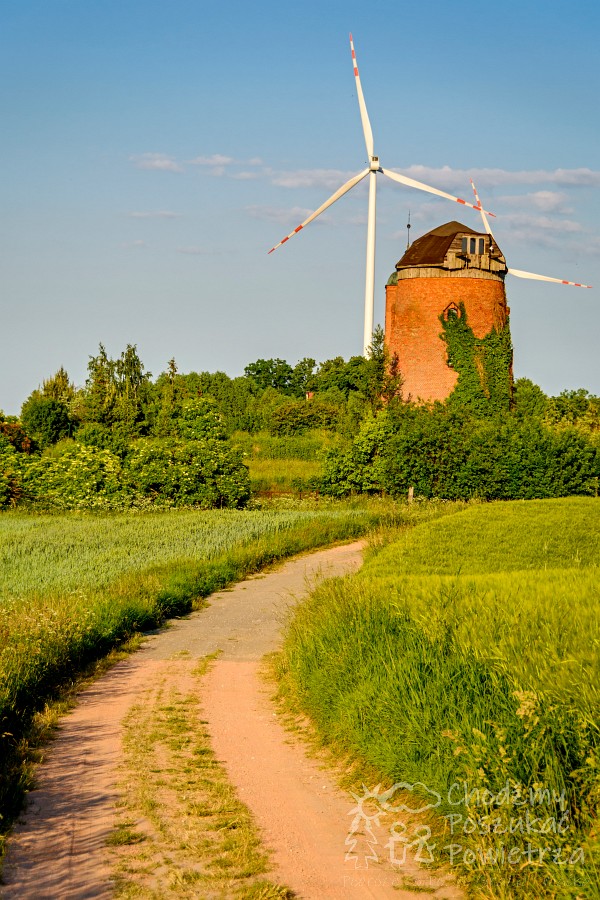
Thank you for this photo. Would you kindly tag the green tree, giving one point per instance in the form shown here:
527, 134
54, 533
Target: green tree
59, 387
275, 373
302, 377
117, 391
45, 420
530, 402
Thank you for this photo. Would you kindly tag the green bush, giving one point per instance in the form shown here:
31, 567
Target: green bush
199, 420
298, 416
443, 454
11, 474
204, 473
74, 476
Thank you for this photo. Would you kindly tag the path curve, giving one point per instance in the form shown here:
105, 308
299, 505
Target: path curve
58, 850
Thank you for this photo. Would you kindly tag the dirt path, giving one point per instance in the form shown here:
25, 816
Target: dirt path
59, 850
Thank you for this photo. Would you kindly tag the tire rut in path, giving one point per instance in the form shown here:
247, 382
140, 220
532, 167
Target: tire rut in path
58, 851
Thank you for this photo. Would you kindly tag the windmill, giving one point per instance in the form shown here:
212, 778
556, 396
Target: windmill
374, 168
519, 272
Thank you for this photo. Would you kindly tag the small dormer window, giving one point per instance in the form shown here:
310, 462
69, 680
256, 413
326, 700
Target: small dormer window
473, 246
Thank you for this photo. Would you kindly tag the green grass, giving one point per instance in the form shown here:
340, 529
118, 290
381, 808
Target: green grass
468, 651
76, 585
283, 475
284, 463
308, 446
42, 554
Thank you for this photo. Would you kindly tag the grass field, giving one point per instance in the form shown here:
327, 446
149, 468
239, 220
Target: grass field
75, 585
284, 464
467, 652
283, 475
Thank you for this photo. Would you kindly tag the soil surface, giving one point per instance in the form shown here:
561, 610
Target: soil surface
59, 848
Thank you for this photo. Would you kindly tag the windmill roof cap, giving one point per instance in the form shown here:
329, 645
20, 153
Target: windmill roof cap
431, 248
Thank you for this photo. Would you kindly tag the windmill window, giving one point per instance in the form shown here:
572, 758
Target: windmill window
473, 245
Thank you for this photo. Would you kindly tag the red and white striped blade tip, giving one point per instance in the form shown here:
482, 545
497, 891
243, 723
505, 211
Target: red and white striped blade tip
329, 202
364, 115
295, 231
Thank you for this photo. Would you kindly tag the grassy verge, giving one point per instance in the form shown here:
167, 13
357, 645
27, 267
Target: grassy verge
180, 830
466, 656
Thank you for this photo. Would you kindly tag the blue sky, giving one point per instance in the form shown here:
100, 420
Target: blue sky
152, 153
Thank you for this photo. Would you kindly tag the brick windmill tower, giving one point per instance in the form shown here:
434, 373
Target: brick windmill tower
451, 271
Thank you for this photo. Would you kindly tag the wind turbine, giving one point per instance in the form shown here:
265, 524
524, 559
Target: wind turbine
372, 171
518, 272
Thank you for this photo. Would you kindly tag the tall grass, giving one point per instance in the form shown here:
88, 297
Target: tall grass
283, 475
308, 446
284, 463
468, 653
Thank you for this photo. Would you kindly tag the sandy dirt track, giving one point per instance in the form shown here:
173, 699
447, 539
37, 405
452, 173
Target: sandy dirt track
58, 851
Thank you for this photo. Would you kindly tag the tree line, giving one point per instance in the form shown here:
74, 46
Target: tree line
127, 439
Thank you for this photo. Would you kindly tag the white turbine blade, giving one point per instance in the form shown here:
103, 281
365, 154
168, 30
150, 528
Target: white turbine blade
364, 116
486, 224
403, 179
521, 274
339, 193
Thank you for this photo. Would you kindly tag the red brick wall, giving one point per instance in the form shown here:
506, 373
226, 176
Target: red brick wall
412, 327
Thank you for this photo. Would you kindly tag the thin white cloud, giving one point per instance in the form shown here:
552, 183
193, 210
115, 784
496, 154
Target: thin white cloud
447, 177
533, 223
545, 201
282, 216
133, 245
217, 159
154, 214
156, 161
326, 178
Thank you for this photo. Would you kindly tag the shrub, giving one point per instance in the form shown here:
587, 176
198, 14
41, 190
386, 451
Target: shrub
11, 474
443, 454
298, 416
74, 477
204, 473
